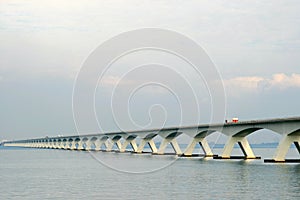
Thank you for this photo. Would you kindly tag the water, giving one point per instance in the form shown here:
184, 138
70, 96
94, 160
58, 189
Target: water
59, 174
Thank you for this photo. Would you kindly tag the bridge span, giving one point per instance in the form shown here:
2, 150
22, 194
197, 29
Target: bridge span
237, 133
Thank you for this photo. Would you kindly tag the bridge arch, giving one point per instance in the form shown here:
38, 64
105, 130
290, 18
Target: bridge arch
247, 131
295, 133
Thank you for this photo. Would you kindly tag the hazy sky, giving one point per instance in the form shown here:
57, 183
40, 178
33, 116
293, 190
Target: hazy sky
43, 44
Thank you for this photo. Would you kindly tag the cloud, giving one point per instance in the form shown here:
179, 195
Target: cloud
256, 83
248, 82
284, 81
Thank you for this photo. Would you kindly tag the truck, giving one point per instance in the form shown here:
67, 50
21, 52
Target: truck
233, 120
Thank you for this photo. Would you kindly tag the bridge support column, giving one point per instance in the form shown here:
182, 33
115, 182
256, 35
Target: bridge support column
73, 145
53, 145
283, 148
109, 145
67, 145
173, 143
45, 145
204, 145
62, 145
58, 144
88, 146
50, 143
99, 143
32, 144
133, 145
80, 145
118, 143
144, 142
244, 145
126, 143
297, 144
152, 146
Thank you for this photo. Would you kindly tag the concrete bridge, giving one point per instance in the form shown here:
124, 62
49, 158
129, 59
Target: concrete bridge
237, 132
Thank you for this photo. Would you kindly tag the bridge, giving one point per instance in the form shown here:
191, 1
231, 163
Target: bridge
237, 133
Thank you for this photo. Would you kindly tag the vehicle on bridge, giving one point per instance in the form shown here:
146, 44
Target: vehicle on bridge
233, 120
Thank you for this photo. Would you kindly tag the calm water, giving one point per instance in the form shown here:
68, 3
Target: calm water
59, 174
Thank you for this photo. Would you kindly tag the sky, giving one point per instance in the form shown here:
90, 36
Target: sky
255, 46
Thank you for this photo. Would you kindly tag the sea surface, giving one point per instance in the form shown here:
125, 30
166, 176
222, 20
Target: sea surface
60, 174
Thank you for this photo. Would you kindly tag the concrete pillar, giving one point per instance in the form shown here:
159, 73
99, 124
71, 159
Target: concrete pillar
133, 145
115, 140
141, 146
284, 147
80, 145
173, 143
110, 145
297, 144
126, 143
100, 142
88, 145
73, 145
51, 145
244, 145
152, 145
144, 142
61, 144
204, 145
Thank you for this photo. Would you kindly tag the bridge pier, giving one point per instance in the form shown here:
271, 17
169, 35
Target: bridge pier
100, 142
169, 138
59, 144
88, 145
80, 145
204, 145
129, 140
50, 144
132, 144
32, 144
73, 145
173, 143
244, 145
283, 148
64, 144
150, 143
40, 144
115, 140
147, 139
91, 142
